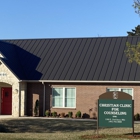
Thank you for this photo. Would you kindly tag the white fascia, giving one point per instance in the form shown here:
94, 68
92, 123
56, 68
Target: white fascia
78, 81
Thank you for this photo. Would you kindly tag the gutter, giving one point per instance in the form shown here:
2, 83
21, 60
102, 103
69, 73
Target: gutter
44, 97
78, 81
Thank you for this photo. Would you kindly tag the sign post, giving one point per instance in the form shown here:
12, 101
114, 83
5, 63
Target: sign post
115, 109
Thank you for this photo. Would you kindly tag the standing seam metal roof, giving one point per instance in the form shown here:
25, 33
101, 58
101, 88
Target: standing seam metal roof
83, 59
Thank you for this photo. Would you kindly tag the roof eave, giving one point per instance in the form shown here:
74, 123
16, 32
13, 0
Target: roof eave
78, 81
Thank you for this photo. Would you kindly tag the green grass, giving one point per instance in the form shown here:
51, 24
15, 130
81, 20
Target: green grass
56, 129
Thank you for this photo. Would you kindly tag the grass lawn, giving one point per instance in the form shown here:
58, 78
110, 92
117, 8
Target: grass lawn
57, 129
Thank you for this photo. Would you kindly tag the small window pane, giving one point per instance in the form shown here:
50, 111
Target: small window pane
129, 91
70, 102
70, 97
57, 92
70, 92
58, 97
58, 102
112, 89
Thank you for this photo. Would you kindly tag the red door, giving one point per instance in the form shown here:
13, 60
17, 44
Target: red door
6, 101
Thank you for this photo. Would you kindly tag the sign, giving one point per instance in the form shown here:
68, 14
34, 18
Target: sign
115, 113
115, 109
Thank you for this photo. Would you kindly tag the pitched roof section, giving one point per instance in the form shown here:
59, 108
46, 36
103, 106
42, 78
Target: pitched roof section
10, 59
85, 59
1, 55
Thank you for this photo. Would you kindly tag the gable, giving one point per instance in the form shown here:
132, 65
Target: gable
10, 59
6, 75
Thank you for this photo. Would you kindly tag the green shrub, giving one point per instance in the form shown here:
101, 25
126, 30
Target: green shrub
94, 115
54, 114
36, 108
62, 115
137, 116
78, 114
47, 113
70, 114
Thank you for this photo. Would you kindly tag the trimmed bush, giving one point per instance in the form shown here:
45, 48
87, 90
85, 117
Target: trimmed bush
78, 114
54, 114
70, 114
62, 115
137, 117
36, 108
47, 113
94, 115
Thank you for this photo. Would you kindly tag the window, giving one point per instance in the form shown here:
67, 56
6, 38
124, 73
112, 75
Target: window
126, 90
64, 97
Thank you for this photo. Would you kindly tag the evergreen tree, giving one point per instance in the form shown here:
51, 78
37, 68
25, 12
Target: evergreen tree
135, 32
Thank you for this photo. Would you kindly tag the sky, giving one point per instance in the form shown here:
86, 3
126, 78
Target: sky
32, 19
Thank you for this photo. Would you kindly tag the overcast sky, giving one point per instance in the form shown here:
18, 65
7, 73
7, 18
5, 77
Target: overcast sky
23, 19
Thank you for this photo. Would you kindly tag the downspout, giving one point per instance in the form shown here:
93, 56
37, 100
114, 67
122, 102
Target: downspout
44, 97
19, 98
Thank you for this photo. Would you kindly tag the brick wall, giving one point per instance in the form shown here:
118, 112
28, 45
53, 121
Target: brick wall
34, 92
86, 97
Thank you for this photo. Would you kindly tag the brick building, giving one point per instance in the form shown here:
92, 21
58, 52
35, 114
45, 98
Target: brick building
65, 74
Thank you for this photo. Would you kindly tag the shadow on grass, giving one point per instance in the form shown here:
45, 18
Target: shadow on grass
135, 134
3, 129
45, 125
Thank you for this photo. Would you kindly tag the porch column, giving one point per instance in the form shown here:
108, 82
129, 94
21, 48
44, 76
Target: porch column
23, 99
15, 100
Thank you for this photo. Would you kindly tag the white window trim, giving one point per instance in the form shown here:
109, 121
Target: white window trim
119, 89
64, 98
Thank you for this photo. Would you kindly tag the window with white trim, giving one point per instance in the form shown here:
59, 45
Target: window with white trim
64, 97
126, 90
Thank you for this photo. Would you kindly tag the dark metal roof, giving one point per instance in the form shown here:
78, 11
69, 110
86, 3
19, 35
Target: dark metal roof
83, 59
